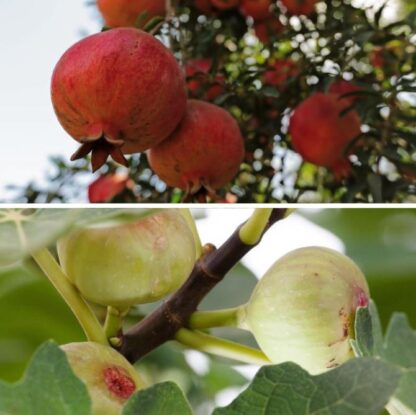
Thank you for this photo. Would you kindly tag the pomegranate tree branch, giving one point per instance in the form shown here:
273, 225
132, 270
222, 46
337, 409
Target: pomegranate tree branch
162, 324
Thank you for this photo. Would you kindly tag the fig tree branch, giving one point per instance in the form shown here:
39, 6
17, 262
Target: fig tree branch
162, 324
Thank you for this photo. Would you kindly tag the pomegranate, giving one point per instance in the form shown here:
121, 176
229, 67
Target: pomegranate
306, 7
205, 6
303, 309
320, 133
107, 187
342, 87
125, 13
257, 9
108, 376
132, 263
198, 70
279, 72
267, 28
225, 4
118, 92
206, 150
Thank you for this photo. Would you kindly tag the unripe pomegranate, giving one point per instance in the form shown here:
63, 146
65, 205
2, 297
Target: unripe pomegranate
108, 376
198, 70
342, 87
225, 4
257, 9
125, 13
303, 308
206, 150
133, 263
306, 7
320, 132
118, 92
107, 187
267, 28
279, 72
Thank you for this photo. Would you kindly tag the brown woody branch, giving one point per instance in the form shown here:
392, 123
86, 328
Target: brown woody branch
161, 325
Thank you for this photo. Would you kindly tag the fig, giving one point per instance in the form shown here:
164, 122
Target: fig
303, 308
206, 150
134, 263
125, 13
279, 72
321, 132
108, 376
118, 92
297, 7
257, 9
106, 187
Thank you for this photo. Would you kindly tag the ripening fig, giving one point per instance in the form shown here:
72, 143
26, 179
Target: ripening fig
108, 376
106, 187
257, 9
297, 7
125, 13
321, 132
280, 72
342, 87
225, 4
197, 73
303, 308
118, 92
133, 263
206, 150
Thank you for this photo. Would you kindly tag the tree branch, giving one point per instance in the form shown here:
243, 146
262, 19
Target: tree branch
161, 325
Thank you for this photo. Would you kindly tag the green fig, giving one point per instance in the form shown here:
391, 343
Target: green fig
303, 309
133, 263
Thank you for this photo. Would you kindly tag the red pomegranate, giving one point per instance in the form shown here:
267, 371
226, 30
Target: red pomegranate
320, 132
306, 7
257, 9
342, 87
205, 6
125, 13
267, 28
198, 69
118, 92
279, 72
206, 150
225, 4
107, 187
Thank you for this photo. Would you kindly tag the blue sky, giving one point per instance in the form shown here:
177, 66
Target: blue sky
33, 36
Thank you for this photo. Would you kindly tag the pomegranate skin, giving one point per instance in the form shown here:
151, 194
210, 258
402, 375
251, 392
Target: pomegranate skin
225, 4
280, 72
320, 133
106, 187
206, 150
267, 28
257, 9
118, 92
306, 7
342, 87
124, 13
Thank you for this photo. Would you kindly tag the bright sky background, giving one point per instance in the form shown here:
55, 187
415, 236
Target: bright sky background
33, 36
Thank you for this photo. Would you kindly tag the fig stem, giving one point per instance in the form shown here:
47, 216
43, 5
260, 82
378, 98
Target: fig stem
251, 231
201, 320
82, 311
114, 321
187, 215
221, 347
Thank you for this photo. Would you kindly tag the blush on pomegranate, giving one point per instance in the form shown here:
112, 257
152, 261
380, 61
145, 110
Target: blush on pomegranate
118, 92
206, 150
320, 132
125, 13
257, 9
342, 87
280, 72
267, 29
106, 187
225, 4
306, 7
198, 70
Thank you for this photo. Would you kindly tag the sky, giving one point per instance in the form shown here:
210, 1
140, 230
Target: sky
33, 36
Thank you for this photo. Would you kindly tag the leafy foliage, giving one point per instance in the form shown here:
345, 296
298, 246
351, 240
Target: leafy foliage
340, 41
